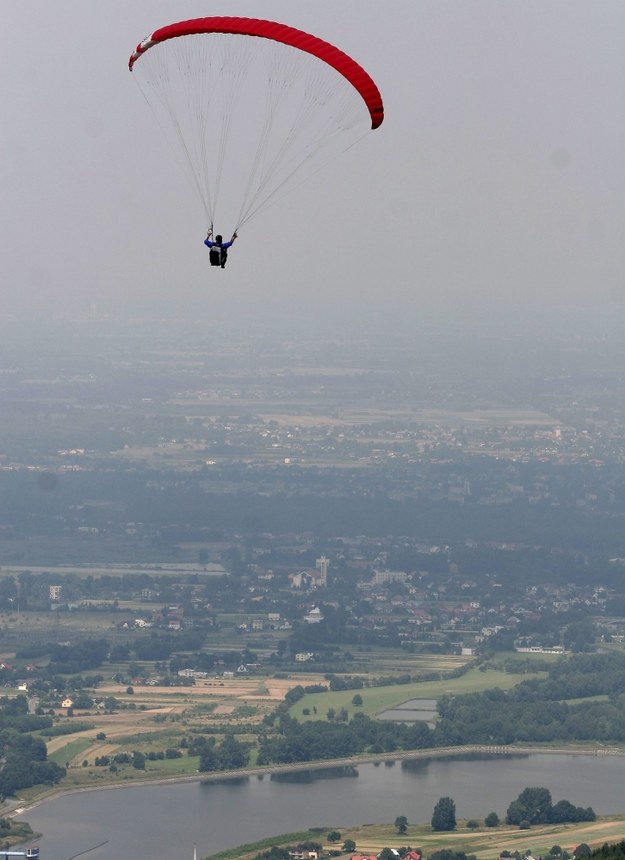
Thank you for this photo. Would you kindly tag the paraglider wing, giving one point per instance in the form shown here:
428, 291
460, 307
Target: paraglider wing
334, 57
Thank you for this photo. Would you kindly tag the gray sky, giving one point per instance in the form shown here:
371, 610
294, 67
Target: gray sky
496, 180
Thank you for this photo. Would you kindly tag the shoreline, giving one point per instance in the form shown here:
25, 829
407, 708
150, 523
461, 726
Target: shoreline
22, 807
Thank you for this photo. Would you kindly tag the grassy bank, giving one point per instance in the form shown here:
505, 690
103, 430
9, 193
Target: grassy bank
486, 843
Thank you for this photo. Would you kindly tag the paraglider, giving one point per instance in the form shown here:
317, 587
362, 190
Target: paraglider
218, 255
253, 108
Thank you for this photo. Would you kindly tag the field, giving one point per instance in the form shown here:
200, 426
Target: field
158, 716
378, 699
487, 843
484, 843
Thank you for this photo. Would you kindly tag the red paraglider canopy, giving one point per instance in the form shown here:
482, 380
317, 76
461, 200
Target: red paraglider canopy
326, 52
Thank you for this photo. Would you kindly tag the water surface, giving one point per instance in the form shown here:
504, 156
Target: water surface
165, 821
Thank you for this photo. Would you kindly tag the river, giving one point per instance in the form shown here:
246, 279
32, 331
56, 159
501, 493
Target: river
162, 821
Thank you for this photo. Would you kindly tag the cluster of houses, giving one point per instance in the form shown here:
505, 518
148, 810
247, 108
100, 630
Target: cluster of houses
409, 855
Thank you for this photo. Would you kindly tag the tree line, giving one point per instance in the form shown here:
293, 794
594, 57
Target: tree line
537, 710
532, 806
24, 758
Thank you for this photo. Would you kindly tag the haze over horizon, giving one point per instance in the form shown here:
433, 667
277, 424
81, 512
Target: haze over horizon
494, 187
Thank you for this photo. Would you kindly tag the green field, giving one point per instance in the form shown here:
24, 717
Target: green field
73, 748
378, 699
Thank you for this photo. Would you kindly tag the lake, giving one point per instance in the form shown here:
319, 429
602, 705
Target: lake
162, 821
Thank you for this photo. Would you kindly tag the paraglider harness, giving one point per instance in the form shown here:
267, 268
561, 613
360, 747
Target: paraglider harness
218, 250
217, 255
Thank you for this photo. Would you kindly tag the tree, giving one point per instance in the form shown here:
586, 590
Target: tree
334, 836
208, 759
82, 701
449, 854
564, 811
349, 846
580, 635
472, 824
401, 824
444, 815
533, 805
582, 850
357, 700
232, 754
491, 820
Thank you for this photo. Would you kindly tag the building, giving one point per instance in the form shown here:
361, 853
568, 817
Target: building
380, 577
322, 565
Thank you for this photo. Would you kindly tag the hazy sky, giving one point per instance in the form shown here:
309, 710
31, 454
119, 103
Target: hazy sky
497, 178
